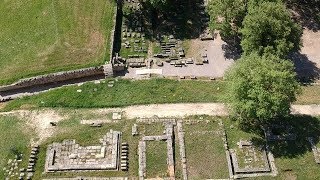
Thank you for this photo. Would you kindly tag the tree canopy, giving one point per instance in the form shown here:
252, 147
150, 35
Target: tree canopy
268, 28
227, 16
261, 88
157, 4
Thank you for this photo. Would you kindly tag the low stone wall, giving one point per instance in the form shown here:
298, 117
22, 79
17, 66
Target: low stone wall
60, 76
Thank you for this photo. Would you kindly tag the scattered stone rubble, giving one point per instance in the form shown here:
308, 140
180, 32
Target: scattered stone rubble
91, 178
68, 155
134, 130
116, 116
32, 162
315, 150
11, 171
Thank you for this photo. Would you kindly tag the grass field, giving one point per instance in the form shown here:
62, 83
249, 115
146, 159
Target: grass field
206, 157
15, 138
41, 36
156, 153
125, 93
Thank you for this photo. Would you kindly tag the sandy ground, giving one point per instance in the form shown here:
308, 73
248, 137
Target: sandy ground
40, 119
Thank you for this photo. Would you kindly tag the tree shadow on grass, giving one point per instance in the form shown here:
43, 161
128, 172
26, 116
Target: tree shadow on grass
303, 126
306, 70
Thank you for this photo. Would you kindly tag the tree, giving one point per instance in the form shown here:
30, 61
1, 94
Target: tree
261, 88
268, 28
227, 16
156, 4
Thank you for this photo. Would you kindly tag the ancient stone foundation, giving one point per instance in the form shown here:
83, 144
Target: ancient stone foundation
168, 137
68, 155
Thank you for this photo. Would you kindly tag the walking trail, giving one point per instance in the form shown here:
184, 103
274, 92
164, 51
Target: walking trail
40, 119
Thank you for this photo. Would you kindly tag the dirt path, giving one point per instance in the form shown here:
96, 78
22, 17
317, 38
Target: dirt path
40, 119
160, 110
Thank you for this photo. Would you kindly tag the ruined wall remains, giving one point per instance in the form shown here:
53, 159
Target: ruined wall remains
60, 76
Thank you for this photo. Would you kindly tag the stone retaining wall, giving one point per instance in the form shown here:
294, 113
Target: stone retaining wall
60, 76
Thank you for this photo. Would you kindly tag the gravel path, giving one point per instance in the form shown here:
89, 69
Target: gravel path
178, 110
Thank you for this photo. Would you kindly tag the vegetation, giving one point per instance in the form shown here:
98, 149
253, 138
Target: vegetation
268, 28
15, 138
293, 159
45, 36
264, 26
205, 152
261, 88
156, 159
227, 16
124, 93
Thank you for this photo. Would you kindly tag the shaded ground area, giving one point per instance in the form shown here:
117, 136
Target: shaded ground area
307, 61
307, 12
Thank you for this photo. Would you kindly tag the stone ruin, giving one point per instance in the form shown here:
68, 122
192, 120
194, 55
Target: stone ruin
250, 161
168, 137
91, 178
315, 150
68, 155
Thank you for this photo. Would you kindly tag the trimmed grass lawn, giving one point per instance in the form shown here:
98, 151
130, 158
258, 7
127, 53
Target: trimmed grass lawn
156, 159
41, 36
125, 93
15, 138
206, 158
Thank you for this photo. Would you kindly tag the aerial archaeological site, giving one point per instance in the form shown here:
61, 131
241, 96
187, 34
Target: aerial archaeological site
159, 89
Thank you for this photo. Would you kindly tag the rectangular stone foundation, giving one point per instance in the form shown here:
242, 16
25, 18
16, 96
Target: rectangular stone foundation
68, 155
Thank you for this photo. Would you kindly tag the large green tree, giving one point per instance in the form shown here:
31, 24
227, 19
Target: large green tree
156, 4
261, 88
268, 28
227, 16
